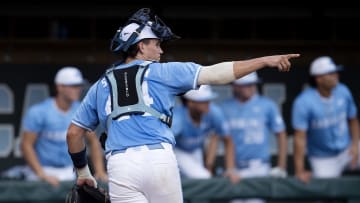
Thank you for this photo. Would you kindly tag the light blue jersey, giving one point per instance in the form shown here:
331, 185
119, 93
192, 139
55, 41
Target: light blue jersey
189, 136
50, 124
251, 124
162, 82
324, 119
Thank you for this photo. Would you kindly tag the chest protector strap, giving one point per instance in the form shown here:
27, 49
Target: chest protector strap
126, 94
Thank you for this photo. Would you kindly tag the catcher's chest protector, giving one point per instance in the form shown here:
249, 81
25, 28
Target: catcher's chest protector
126, 93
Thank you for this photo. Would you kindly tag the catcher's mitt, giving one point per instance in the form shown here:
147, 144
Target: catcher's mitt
87, 194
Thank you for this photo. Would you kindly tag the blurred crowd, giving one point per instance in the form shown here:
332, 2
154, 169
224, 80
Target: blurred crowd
324, 118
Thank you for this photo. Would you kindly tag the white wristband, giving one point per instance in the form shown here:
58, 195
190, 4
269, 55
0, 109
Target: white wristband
84, 173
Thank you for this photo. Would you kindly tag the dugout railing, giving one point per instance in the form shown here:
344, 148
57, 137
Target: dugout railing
215, 190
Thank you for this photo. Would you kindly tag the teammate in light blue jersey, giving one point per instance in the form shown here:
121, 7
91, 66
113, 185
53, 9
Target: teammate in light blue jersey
324, 118
45, 124
196, 123
252, 119
136, 111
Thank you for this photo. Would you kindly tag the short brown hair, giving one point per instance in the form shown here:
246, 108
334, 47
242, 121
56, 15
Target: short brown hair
133, 49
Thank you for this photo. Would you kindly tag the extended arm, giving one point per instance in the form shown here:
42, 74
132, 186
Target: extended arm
226, 72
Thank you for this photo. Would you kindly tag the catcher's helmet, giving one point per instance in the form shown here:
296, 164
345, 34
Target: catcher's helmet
140, 26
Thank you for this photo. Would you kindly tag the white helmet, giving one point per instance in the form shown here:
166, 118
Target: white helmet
251, 78
323, 65
145, 33
69, 76
204, 93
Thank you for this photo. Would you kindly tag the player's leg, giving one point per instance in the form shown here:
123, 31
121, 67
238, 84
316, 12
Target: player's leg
191, 164
325, 167
63, 174
256, 168
163, 183
125, 178
142, 175
344, 160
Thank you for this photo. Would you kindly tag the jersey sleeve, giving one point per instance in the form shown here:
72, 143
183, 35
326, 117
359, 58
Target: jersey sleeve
275, 120
33, 120
219, 121
180, 77
299, 115
86, 115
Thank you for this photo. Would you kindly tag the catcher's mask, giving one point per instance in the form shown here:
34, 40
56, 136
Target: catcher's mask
140, 26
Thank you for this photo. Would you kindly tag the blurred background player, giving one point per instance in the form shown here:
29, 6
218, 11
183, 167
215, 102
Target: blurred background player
324, 118
44, 139
197, 123
251, 119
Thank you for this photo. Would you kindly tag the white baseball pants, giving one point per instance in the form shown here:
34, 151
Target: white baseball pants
330, 167
63, 174
191, 164
141, 175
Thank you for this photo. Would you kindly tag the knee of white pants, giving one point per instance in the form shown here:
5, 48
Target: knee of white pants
63, 174
191, 165
325, 173
257, 170
325, 167
197, 172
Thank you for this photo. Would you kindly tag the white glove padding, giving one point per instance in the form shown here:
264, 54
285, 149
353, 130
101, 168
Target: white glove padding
84, 173
278, 172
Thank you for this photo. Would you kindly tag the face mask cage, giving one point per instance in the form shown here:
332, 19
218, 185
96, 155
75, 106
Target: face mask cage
163, 31
142, 18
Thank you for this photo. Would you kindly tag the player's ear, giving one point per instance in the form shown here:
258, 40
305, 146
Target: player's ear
141, 47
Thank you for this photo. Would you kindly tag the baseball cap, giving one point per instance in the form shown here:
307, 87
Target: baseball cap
204, 93
146, 33
249, 79
69, 76
323, 65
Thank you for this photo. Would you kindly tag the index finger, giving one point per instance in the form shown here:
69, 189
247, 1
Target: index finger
289, 56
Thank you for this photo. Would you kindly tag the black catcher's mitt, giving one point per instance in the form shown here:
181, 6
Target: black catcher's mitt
87, 194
